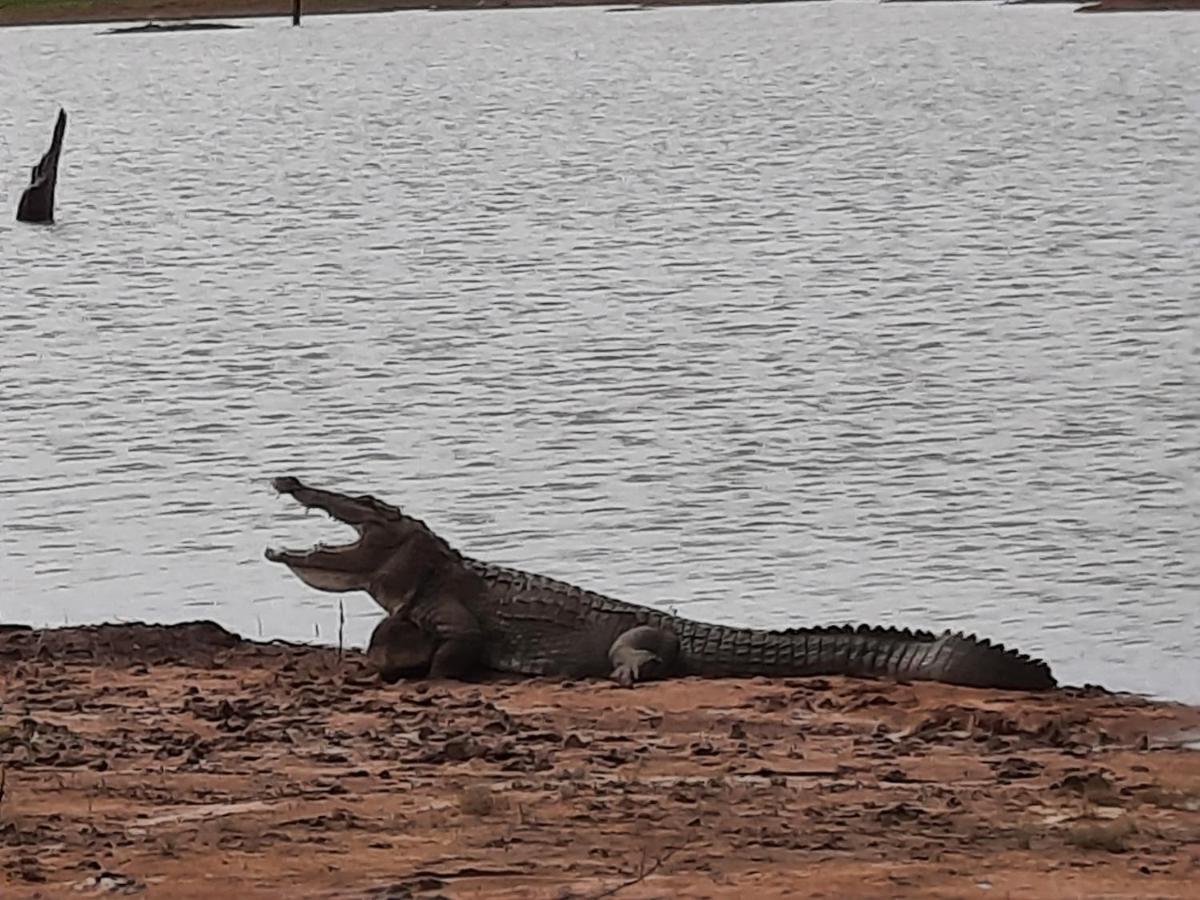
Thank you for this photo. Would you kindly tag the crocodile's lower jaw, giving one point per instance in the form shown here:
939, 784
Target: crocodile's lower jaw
318, 576
329, 579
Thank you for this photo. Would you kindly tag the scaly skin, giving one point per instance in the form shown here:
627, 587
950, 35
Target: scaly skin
450, 615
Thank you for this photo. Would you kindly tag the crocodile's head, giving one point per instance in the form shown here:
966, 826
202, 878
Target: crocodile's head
385, 537
398, 649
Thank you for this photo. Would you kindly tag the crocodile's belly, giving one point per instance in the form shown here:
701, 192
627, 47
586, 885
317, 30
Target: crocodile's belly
563, 655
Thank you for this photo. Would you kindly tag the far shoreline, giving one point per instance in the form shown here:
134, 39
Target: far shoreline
85, 12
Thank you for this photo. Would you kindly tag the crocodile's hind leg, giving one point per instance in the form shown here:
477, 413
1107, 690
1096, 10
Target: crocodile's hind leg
642, 653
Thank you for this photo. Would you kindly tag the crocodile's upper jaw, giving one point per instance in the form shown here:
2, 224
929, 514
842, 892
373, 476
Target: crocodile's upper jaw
345, 567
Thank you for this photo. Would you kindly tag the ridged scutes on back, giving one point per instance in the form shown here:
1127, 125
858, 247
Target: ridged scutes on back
909, 634
858, 650
543, 584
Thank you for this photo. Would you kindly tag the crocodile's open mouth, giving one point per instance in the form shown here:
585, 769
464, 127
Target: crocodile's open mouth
318, 556
339, 567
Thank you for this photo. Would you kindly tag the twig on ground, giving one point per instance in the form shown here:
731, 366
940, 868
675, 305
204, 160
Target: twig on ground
644, 872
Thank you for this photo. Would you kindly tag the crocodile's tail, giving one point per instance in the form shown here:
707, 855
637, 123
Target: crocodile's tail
953, 658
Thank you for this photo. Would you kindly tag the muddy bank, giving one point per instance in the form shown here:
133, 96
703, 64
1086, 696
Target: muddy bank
183, 761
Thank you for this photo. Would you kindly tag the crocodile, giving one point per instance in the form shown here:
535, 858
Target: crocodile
451, 616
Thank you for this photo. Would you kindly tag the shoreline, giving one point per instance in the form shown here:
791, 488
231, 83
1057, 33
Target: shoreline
83, 12
186, 761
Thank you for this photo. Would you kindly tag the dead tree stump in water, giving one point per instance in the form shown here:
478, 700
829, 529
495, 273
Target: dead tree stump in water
37, 202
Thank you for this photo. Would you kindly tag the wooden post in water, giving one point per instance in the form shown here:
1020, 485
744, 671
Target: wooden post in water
295, 12
37, 201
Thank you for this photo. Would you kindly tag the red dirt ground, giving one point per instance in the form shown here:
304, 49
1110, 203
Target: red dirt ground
181, 761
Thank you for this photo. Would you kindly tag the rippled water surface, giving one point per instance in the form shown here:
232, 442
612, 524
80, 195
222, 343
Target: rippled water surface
780, 315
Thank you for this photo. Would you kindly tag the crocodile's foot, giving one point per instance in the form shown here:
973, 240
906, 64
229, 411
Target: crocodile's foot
639, 665
642, 654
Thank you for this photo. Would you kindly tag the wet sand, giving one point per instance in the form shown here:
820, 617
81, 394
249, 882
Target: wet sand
184, 762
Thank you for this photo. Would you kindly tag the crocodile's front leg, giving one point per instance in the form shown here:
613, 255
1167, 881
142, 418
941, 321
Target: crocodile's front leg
642, 653
441, 640
457, 634
399, 649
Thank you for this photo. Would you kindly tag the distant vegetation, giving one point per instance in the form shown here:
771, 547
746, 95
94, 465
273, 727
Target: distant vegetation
46, 12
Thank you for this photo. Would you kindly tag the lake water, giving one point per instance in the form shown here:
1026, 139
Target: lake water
779, 315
